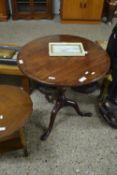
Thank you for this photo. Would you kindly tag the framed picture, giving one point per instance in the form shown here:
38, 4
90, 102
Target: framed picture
66, 49
8, 54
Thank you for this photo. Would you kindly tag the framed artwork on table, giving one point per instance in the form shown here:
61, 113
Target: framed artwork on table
8, 54
66, 49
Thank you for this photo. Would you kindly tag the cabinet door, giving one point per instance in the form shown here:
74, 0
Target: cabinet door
92, 9
81, 9
3, 10
23, 6
21, 9
40, 6
32, 9
71, 9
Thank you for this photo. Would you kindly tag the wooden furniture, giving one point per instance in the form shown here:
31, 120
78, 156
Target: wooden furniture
32, 9
3, 10
14, 70
15, 109
61, 71
73, 11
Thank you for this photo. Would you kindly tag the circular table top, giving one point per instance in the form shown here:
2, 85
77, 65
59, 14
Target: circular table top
15, 109
35, 62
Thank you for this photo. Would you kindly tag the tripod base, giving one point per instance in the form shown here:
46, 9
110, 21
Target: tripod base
61, 102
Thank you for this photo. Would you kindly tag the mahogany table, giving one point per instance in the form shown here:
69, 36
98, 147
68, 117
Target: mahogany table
15, 109
62, 71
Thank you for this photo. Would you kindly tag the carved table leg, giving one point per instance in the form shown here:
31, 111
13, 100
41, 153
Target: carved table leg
52, 119
61, 102
74, 104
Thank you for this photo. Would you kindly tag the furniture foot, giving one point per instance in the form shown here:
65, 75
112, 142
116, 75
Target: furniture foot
25, 152
74, 104
45, 135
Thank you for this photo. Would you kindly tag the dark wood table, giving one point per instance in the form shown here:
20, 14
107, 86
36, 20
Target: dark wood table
35, 62
15, 109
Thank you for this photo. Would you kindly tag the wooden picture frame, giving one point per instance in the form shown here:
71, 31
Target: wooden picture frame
66, 49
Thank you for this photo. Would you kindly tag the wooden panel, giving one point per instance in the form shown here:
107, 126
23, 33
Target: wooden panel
32, 9
3, 10
81, 10
71, 9
67, 72
13, 142
19, 108
92, 9
10, 143
10, 70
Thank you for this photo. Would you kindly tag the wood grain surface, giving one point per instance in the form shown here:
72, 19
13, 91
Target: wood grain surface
65, 71
15, 107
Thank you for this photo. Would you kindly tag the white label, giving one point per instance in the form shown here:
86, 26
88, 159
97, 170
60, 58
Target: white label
92, 73
87, 72
82, 79
21, 62
2, 128
1, 116
51, 78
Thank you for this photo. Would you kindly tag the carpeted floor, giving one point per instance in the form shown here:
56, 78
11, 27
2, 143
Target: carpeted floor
76, 146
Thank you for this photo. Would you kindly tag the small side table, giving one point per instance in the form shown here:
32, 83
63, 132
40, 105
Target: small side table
62, 72
15, 109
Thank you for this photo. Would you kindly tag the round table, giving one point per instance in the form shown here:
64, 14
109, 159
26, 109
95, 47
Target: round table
15, 109
63, 71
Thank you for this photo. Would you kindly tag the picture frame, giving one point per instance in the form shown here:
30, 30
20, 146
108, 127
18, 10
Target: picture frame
66, 49
8, 54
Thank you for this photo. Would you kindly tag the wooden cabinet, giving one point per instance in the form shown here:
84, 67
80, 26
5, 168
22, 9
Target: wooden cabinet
32, 9
3, 10
81, 10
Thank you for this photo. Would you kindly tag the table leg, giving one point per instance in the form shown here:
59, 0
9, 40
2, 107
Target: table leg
61, 102
23, 141
25, 84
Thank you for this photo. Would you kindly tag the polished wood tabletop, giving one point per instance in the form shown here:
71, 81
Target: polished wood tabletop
35, 62
15, 109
